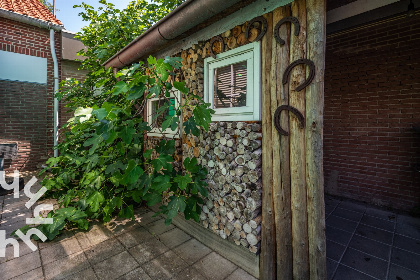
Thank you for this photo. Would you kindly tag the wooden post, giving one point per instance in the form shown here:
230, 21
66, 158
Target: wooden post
281, 152
316, 35
268, 241
293, 220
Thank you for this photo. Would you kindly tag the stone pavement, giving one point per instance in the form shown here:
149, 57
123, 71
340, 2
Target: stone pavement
364, 242
123, 249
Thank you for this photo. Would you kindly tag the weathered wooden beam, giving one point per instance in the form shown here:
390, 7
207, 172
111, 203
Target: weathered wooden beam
281, 153
297, 149
316, 34
268, 246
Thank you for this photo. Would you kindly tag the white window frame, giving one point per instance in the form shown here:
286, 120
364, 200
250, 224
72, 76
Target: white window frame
168, 132
252, 111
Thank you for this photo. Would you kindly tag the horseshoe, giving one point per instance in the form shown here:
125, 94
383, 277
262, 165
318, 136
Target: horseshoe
289, 68
214, 39
293, 20
277, 115
263, 28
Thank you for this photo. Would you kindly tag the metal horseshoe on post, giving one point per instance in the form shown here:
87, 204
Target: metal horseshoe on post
212, 41
264, 24
311, 76
289, 108
293, 20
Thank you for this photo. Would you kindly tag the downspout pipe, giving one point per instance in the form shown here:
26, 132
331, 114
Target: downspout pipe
54, 57
169, 29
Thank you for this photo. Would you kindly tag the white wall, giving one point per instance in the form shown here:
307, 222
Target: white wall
23, 68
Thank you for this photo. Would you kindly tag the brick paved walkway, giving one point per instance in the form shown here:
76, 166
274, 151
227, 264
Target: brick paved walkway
123, 249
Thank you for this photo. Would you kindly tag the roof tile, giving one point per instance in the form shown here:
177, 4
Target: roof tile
31, 8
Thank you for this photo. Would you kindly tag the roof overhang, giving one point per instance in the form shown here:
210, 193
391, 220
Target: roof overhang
172, 28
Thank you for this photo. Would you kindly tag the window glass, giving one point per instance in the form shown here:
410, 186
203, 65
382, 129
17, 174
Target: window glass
168, 111
230, 85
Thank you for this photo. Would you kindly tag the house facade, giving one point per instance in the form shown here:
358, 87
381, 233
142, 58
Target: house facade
27, 81
266, 168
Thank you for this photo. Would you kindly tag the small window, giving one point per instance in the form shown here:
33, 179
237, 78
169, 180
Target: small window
155, 120
232, 84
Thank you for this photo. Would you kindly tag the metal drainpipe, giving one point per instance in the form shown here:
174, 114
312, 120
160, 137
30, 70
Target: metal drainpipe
54, 56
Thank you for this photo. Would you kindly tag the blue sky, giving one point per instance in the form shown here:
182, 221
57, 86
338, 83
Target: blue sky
69, 16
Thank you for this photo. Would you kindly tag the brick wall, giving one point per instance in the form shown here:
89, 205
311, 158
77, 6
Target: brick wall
31, 121
372, 103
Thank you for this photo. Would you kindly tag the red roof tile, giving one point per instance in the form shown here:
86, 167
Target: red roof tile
31, 8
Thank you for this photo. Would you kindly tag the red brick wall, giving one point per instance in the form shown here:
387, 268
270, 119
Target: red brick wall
372, 103
32, 102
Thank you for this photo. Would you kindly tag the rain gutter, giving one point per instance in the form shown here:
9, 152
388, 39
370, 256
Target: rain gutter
168, 29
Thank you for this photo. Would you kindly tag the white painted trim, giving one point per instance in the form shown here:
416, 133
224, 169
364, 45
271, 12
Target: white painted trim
252, 112
355, 8
168, 132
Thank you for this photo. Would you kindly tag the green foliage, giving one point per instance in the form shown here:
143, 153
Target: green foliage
104, 169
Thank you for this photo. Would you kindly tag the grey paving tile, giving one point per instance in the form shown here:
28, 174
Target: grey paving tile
20, 265
347, 214
190, 274
65, 267
87, 274
335, 250
400, 273
135, 237
136, 274
146, 218
60, 238
191, 251
35, 274
347, 273
331, 266
240, 274
374, 234
115, 266
338, 235
371, 247
174, 237
60, 250
408, 226
148, 250
379, 213
378, 223
365, 263
353, 206
405, 259
166, 266
407, 243
341, 223
104, 250
159, 227
119, 225
95, 235
214, 266
9, 228
23, 250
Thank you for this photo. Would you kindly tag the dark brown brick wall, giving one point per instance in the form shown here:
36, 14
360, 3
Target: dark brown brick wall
28, 107
372, 103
